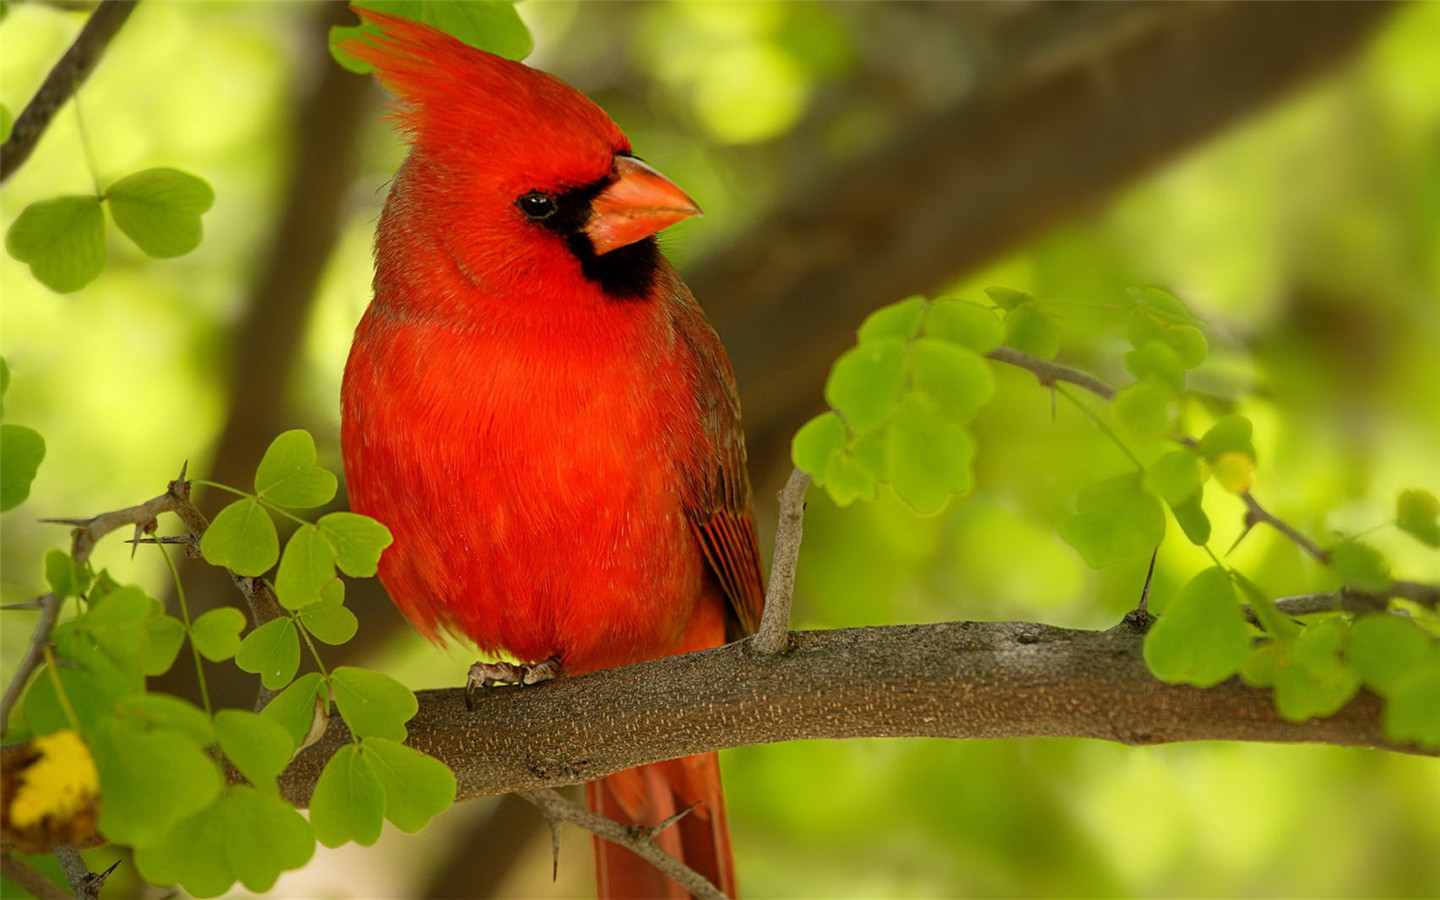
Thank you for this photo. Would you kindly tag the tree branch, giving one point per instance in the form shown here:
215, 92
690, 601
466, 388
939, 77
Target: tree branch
63, 81
636, 839
25, 875
953, 680
1051, 138
773, 636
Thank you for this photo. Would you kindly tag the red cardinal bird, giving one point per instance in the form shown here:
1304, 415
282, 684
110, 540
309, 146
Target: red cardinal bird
538, 409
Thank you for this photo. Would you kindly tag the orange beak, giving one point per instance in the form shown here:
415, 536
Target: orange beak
638, 203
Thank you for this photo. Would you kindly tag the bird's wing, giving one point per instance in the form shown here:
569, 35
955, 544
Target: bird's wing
718, 499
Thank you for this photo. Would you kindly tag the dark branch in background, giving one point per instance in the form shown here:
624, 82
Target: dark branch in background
326, 132
63, 81
636, 839
1054, 138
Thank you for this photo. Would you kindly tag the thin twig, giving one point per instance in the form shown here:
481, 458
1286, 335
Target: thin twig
773, 635
85, 883
639, 841
142, 517
63, 81
25, 875
1049, 372
1255, 514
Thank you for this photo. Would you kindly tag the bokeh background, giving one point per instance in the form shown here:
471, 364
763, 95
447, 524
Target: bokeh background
1303, 223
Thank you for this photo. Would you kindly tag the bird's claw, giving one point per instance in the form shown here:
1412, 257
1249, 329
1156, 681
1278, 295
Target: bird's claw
487, 675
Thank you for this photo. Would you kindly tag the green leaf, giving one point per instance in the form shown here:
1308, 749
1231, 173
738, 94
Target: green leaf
159, 209
1360, 565
21, 451
1311, 679
150, 779
1413, 710
4, 368
929, 455
1385, 650
1202, 638
7, 122
288, 476
1031, 329
164, 636
1230, 434
62, 240
1158, 316
242, 539
417, 787
120, 627
1143, 409
92, 687
216, 634
820, 447
358, 541
816, 443
1176, 477
191, 854
1418, 513
965, 324
64, 577
1158, 361
264, 836
865, 381
1008, 298
271, 651
349, 800
956, 378
371, 703
1115, 520
302, 709
307, 566
491, 25
166, 711
899, 321
259, 747
329, 620
1191, 518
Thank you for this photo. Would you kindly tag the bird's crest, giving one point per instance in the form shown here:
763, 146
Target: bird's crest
449, 91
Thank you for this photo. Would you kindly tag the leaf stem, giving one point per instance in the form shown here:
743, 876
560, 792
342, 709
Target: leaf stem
49, 654
1100, 424
185, 615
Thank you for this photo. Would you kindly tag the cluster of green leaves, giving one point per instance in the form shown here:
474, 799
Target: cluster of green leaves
22, 449
901, 400
63, 239
491, 25
163, 787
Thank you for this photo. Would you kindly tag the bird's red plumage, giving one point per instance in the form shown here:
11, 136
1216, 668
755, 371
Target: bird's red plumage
554, 444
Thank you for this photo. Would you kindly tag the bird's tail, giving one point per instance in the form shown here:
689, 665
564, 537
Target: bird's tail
651, 794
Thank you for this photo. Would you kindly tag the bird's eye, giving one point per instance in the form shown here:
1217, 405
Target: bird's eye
536, 205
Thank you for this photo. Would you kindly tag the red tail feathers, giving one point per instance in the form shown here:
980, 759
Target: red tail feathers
651, 794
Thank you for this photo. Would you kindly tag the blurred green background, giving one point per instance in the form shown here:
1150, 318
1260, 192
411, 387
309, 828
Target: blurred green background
1308, 234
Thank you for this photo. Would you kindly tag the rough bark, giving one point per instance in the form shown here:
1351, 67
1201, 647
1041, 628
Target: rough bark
951, 680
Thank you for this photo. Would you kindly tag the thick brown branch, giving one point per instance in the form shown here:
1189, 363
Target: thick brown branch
63, 81
955, 680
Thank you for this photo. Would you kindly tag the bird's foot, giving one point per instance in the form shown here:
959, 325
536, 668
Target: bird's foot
488, 675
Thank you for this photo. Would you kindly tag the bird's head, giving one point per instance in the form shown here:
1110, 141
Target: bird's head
519, 177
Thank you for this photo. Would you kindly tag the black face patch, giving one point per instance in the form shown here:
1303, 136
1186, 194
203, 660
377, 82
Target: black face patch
625, 273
